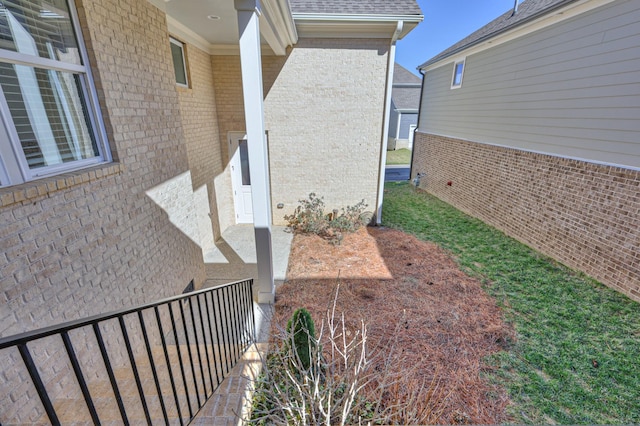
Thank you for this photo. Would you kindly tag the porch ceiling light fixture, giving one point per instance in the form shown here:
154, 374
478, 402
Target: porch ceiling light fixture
213, 17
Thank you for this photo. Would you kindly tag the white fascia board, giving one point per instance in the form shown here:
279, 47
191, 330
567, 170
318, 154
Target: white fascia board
570, 11
279, 12
277, 26
353, 25
407, 110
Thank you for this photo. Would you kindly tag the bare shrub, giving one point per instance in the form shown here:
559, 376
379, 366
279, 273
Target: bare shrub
309, 218
345, 384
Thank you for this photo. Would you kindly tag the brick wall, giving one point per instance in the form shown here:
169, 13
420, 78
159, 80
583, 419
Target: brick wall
585, 215
324, 104
324, 112
94, 241
227, 84
202, 136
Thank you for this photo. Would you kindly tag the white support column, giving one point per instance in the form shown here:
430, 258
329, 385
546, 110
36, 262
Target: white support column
391, 63
251, 65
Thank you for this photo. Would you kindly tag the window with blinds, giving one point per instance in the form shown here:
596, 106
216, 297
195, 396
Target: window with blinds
45, 92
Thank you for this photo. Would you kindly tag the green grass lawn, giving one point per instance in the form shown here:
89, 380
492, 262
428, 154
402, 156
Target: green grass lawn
576, 359
399, 156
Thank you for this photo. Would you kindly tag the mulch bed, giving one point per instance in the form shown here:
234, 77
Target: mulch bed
411, 293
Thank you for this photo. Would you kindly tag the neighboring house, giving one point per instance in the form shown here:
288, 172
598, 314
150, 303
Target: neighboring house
128, 130
405, 101
531, 124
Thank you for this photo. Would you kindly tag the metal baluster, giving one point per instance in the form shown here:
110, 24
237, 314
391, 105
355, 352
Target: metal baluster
218, 363
193, 369
204, 338
195, 336
243, 316
168, 362
224, 327
184, 377
37, 382
81, 381
249, 285
237, 318
228, 307
134, 368
152, 364
112, 377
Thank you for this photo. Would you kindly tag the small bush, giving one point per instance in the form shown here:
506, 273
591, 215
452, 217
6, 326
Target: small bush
303, 334
309, 218
346, 383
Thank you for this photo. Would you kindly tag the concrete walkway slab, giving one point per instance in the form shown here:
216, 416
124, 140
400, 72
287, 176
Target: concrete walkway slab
234, 256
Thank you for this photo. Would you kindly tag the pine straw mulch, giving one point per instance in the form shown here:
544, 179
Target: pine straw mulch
412, 293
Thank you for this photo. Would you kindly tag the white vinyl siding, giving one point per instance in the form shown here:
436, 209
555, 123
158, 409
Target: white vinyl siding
572, 89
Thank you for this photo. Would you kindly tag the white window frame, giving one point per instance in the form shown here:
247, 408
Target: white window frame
458, 85
14, 168
184, 62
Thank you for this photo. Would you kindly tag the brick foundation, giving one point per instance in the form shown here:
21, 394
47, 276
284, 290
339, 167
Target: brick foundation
585, 215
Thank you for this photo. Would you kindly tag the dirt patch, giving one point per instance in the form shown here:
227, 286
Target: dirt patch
412, 293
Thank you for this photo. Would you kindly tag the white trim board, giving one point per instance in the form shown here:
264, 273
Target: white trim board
533, 151
570, 11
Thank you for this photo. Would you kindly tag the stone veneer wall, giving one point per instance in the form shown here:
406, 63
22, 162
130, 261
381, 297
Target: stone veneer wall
94, 241
585, 215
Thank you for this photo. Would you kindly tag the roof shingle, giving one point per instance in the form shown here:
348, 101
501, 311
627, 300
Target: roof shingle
405, 97
403, 75
357, 7
527, 11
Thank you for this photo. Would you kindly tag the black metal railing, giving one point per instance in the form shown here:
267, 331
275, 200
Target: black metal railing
159, 362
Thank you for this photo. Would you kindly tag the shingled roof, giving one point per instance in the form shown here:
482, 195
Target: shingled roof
403, 75
357, 7
528, 11
405, 97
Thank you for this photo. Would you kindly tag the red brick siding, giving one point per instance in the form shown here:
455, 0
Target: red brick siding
585, 215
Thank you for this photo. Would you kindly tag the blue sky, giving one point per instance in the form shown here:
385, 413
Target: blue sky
445, 23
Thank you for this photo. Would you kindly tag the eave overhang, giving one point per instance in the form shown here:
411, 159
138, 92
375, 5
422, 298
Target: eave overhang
563, 11
317, 25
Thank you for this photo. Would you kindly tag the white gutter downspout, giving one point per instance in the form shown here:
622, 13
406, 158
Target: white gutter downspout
385, 125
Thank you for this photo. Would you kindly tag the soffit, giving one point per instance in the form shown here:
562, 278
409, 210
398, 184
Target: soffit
212, 25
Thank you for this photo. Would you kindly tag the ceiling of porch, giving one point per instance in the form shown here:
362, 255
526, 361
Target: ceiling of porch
212, 25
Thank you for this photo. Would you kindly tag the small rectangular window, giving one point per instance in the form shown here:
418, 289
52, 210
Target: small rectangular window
179, 62
458, 73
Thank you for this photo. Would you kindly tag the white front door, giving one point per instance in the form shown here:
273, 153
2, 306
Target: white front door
412, 130
240, 177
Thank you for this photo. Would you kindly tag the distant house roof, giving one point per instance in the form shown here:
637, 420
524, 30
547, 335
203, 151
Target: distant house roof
357, 7
528, 11
403, 75
406, 89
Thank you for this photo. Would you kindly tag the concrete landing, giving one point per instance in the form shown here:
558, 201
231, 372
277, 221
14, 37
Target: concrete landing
234, 256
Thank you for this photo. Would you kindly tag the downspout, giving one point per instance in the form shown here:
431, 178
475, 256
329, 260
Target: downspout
415, 131
385, 126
